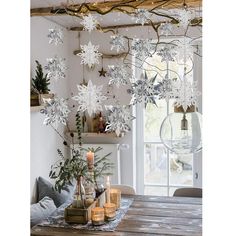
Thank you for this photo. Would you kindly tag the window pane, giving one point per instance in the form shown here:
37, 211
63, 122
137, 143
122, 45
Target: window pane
157, 191
171, 191
155, 164
181, 169
153, 117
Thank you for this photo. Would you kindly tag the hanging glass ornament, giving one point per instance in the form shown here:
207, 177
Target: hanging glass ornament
180, 131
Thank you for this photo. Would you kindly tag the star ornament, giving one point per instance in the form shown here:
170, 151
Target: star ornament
90, 98
89, 22
102, 72
90, 54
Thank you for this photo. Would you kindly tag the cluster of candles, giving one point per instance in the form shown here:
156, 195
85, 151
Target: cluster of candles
108, 211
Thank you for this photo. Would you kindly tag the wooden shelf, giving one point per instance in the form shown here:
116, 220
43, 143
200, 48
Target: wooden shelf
36, 108
99, 135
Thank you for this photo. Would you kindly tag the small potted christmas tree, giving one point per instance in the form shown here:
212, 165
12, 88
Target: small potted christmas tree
40, 84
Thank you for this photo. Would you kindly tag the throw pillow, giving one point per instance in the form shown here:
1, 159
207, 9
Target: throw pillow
45, 188
41, 210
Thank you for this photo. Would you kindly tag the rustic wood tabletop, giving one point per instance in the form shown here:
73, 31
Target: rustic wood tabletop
148, 215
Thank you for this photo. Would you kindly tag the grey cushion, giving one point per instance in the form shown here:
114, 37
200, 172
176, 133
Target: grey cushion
45, 188
41, 210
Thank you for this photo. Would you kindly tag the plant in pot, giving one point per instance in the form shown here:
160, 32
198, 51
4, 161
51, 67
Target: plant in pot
40, 83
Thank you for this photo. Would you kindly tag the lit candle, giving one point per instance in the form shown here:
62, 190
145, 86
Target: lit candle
90, 159
110, 211
108, 188
97, 215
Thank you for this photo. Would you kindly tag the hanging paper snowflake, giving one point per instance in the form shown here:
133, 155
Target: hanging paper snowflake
56, 68
89, 22
56, 111
184, 16
186, 94
118, 75
142, 16
184, 49
55, 36
142, 48
90, 54
117, 42
143, 90
89, 98
119, 119
166, 29
167, 53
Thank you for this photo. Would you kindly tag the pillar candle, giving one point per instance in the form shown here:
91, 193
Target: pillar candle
90, 159
108, 188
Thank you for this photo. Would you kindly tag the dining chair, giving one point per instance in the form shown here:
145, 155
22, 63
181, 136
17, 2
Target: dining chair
188, 192
125, 189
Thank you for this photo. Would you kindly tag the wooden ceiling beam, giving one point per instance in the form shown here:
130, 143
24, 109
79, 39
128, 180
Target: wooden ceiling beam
127, 5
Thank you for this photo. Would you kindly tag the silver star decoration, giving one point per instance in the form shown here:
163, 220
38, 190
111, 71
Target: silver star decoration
143, 91
119, 119
118, 75
89, 22
167, 53
89, 98
56, 68
186, 94
117, 42
166, 29
142, 48
56, 111
55, 36
90, 54
142, 16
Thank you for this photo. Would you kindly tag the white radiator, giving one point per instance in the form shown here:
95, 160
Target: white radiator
114, 157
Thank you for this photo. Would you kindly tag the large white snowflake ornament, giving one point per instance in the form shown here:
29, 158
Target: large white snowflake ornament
56, 68
56, 111
186, 94
142, 16
89, 22
143, 90
90, 54
118, 75
89, 98
167, 53
55, 36
117, 42
142, 48
119, 119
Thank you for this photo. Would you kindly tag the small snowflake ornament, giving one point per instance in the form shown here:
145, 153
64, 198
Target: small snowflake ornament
89, 98
117, 42
55, 36
142, 48
118, 75
143, 91
186, 94
166, 29
56, 111
90, 54
184, 16
56, 68
167, 53
142, 16
119, 119
89, 22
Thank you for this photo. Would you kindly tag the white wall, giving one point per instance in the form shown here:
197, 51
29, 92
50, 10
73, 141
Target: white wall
44, 141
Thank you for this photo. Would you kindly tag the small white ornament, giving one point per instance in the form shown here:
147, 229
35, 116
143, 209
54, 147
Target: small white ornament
118, 75
89, 22
166, 29
142, 16
55, 36
184, 49
184, 16
89, 98
56, 111
56, 68
90, 54
167, 53
117, 42
142, 48
119, 119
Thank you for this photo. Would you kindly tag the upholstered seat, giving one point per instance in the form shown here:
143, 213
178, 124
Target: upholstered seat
125, 189
188, 192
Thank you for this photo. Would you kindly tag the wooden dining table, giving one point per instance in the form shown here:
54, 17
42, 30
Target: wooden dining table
148, 215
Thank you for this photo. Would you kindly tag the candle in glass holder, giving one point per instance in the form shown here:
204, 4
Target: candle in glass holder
97, 216
90, 160
110, 211
115, 196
